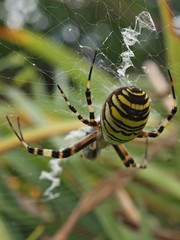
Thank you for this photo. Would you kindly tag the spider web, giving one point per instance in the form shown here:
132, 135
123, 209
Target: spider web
123, 32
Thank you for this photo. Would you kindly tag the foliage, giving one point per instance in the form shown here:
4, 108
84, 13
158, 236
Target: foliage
133, 204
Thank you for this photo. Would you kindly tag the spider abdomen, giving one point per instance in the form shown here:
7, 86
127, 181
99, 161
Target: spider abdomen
124, 115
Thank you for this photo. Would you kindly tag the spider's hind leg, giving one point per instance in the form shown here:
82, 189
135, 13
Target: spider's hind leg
72, 108
88, 94
91, 121
165, 122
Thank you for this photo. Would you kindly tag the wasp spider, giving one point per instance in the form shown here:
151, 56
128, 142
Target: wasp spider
123, 117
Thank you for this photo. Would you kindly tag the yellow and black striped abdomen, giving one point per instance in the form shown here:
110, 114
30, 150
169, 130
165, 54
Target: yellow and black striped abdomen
124, 115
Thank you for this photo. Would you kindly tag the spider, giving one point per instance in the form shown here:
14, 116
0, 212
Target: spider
124, 115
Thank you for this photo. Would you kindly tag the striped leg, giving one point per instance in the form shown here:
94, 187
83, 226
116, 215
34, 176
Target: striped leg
156, 133
73, 109
64, 153
88, 94
91, 122
127, 158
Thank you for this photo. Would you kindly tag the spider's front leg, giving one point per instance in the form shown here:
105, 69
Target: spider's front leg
127, 159
64, 153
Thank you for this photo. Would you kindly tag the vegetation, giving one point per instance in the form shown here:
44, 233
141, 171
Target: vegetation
98, 199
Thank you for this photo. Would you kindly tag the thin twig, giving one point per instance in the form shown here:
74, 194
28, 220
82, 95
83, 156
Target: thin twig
94, 197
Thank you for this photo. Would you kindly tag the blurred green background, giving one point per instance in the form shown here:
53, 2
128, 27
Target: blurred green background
44, 42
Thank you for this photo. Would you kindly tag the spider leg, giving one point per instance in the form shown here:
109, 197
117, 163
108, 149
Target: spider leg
127, 158
156, 133
73, 109
64, 153
19, 136
88, 94
91, 122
